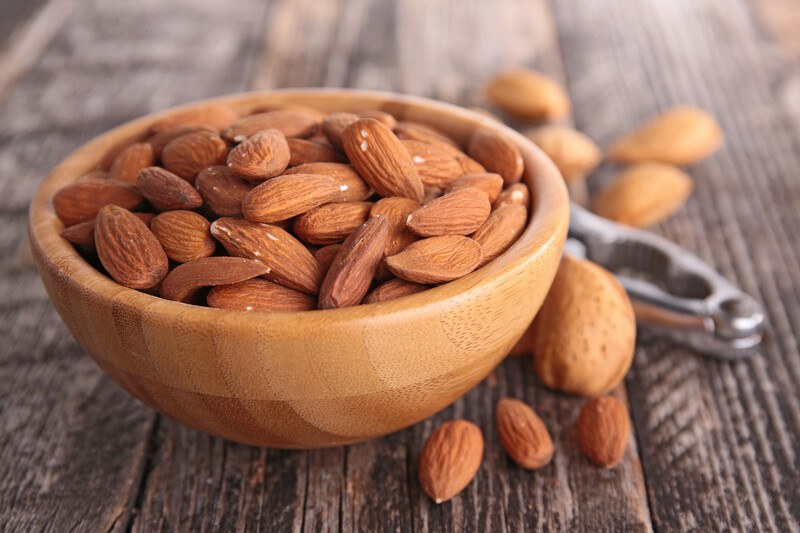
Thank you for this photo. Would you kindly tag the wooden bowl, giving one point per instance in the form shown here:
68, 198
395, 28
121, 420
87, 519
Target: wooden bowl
315, 378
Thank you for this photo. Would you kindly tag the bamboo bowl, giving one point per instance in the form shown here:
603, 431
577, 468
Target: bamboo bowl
315, 378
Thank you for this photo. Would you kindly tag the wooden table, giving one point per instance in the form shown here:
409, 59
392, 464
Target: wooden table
716, 445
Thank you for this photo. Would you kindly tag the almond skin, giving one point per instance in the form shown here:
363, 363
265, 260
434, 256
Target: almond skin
381, 116
584, 336
185, 235
574, 153
351, 187
289, 122
496, 153
435, 166
644, 194
189, 154
262, 156
160, 140
381, 160
259, 295
459, 212
517, 194
528, 95
216, 116
80, 201
326, 254
679, 136
393, 289
436, 260
128, 249
500, 231
82, 234
603, 430
396, 210
303, 151
353, 268
450, 459
331, 223
222, 190
289, 262
488, 182
523, 434
130, 161
334, 125
288, 196
416, 131
184, 282
166, 192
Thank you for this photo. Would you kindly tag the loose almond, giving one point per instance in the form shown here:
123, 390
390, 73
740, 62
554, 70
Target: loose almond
160, 140
259, 295
217, 116
82, 234
500, 231
331, 223
290, 122
130, 161
603, 430
497, 154
264, 155
351, 187
334, 125
460, 212
450, 459
166, 191
189, 154
574, 153
303, 151
528, 95
288, 196
416, 131
222, 190
326, 254
523, 434
517, 194
184, 282
185, 235
80, 201
435, 166
393, 289
488, 182
396, 210
436, 260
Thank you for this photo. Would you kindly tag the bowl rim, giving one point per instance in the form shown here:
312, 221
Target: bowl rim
546, 226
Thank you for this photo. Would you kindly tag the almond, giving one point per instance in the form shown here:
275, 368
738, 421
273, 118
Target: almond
431, 194
218, 117
130, 161
517, 194
574, 153
468, 165
334, 125
393, 289
436, 260
331, 223
381, 160
644, 194
160, 140
435, 166
285, 106
500, 231
354, 266
289, 262
523, 434
128, 249
326, 254
450, 459
584, 334
351, 187
488, 182
166, 191
185, 235
603, 430
303, 151
82, 233
497, 154
222, 190
528, 95
80, 201
184, 282
262, 156
288, 196
94, 175
259, 295
416, 131
459, 212
290, 122
381, 116
396, 210
189, 154
679, 136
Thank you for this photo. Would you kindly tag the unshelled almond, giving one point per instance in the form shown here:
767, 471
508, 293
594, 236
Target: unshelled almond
82, 233
160, 140
130, 161
488, 182
80, 201
259, 295
331, 223
517, 194
351, 187
436, 259
165, 191
393, 289
264, 155
381, 116
496, 153
460, 212
523, 434
436, 166
528, 95
326, 254
185, 235
216, 116
222, 190
500, 231
334, 125
603, 430
290, 122
189, 154
303, 151
574, 153
287, 196
184, 282
416, 131
396, 210
450, 459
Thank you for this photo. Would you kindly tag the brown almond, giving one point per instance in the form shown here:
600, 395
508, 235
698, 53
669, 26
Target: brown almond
128, 250
460, 212
262, 156
431, 194
185, 235
528, 95
166, 192
94, 175
523, 434
517, 194
679, 136
416, 131
80, 201
189, 154
284, 197
381, 160
82, 233
644, 194
393, 289
488, 182
574, 153
603, 430
286, 106
326, 254
353, 268
496, 153
184, 282
217, 116
396, 210
331, 223
160, 140
333, 126
290, 122
450, 459
222, 190
351, 187
289, 262
303, 151
130, 161
435, 166
383, 117
259, 295
436, 259
500, 231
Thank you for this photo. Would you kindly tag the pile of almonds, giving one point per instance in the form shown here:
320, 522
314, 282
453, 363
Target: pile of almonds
291, 209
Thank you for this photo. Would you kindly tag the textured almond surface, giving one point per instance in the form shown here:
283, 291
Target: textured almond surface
80, 201
416, 131
528, 95
264, 155
680, 136
288, 196
183, 283
290, 122
351, 187
460, 212
185, 235
259, 295
326, 254
573, 152
396, 210
584, 335
83, 233
334, 125
517, 194
603, 430
222, 190
393, 289
303, 151
500, 231
497, 154
523, 434
436, 260
217, 116
450, 459
381, 159
331, 223
128, 249
189, 154
130, 161
644, 194
165, 191
160, 140
435, 166
488, 182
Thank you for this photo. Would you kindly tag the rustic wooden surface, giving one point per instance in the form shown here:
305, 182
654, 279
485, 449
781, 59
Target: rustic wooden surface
716, 445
